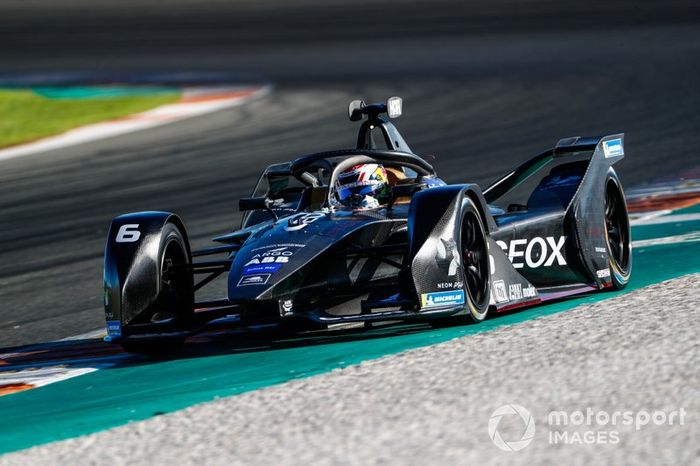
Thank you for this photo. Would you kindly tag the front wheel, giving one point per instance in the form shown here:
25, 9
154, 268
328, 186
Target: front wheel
475, 262
173, 308
476, 271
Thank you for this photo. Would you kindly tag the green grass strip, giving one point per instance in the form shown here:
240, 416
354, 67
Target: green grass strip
26, 116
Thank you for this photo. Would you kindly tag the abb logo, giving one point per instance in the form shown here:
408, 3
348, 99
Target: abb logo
535, 252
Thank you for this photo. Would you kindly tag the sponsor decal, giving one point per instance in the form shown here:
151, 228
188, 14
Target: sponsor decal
603, 273
114, 328
355, 184
500, 293
261, 268
535, 252
447, 256
449, 285
529, 292
517, 292
613, 148
442, 298
302, 221
274, 257
267, 260
286, 307
278, 246
259, 279
394, 105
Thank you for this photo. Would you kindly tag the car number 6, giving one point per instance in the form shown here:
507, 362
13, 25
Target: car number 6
128, 233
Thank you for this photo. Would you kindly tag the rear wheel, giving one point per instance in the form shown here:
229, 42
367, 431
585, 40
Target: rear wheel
174, 306
617, 234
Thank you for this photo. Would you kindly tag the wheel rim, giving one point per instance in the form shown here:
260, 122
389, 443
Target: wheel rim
173, 284
475, 259
617, 228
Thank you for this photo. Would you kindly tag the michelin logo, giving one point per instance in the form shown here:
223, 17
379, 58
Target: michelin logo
613, 148
442, 298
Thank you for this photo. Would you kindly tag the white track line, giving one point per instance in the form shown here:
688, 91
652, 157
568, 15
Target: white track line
660, 219
97, 333
42, 376
637, 218
685, 238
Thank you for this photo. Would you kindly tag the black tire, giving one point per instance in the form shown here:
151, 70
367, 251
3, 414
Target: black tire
476, 273
175, 301
475, 260
618, 236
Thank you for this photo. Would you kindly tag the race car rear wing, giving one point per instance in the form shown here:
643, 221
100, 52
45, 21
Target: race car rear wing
612, 148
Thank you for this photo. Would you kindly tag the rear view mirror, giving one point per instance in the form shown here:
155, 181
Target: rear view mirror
254, 203
257, 203
355, 110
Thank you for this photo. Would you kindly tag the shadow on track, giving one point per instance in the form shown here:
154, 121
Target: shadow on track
32, 361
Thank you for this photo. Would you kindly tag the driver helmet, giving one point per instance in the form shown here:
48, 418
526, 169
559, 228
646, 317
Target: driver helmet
363, 186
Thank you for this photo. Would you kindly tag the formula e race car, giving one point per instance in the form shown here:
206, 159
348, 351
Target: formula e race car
553, 227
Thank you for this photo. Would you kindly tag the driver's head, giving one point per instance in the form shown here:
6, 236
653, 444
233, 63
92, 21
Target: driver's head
363, 186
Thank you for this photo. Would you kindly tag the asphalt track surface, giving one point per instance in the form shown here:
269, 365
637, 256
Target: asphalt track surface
485, 87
